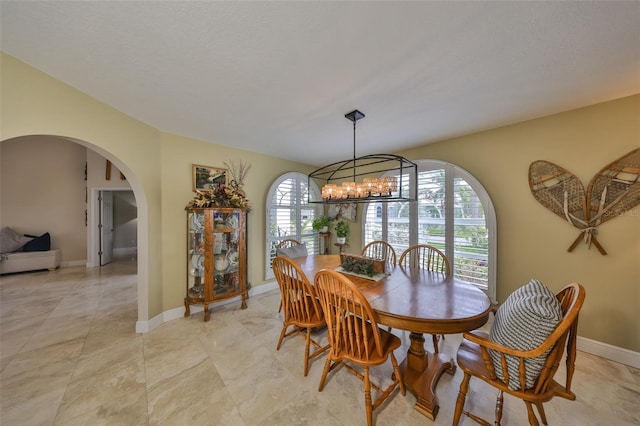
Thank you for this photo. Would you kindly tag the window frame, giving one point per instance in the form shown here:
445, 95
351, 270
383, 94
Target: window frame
452, 172
300, 203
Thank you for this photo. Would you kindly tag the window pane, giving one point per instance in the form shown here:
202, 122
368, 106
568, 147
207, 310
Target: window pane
471, 243
432, 208
442, 196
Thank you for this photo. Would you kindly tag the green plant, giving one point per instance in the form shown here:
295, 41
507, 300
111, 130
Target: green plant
342, 229
320, 222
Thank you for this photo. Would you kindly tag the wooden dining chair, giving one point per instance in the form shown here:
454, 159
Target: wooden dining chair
380, 250
285, 244
356, 340
481, 357
302, 310
427, 257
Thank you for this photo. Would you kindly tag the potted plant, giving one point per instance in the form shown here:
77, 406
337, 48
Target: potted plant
342, 230
321, 224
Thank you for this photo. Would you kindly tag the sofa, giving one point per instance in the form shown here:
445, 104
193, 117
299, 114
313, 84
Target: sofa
23, 252
29, 261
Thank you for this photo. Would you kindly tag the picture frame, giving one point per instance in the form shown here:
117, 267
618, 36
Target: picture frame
343, 210
207, 178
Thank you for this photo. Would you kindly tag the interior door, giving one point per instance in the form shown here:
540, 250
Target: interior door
106, 227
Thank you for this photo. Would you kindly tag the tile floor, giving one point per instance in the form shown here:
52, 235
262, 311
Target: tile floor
70, 356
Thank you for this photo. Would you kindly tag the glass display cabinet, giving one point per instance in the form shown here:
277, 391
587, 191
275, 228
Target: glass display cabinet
216, 257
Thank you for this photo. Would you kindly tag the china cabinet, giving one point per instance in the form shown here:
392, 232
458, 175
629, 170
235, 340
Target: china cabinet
216, 256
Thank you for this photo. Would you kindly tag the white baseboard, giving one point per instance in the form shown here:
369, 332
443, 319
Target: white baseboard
172, 314
613, 353
593, 347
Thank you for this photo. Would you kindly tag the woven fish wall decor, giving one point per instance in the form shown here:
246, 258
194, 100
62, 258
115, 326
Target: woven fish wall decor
613, 190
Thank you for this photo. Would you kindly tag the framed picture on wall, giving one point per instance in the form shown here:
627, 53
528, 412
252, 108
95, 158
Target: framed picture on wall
343, 210
208, 178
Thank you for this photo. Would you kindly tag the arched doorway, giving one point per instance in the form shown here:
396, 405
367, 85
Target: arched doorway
44, 188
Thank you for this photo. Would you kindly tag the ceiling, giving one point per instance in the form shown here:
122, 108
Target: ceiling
278, 77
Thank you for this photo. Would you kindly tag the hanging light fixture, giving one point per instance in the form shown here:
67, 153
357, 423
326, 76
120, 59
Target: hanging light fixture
367, 178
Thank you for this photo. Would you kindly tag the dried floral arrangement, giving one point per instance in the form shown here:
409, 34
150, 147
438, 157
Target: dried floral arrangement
231, 195
362, 265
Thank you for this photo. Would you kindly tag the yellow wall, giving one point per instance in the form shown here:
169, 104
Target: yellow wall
533, 241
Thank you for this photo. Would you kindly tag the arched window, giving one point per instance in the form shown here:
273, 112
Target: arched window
453, 213
289, 215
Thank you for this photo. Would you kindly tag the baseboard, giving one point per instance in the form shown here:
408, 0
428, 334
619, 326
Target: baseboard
593, 347
172, 314
613, 353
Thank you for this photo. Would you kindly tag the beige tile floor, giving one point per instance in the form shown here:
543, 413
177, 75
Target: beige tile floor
70, 356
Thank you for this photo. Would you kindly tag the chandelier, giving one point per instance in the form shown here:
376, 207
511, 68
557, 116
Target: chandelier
377, 183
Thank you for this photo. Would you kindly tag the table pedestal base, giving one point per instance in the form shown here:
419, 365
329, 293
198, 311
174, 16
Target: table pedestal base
421, 371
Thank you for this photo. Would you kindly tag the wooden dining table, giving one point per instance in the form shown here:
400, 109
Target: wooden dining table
417, 301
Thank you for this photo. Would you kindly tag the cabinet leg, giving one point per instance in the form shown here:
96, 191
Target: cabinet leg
187, 311
207, 315
244, 301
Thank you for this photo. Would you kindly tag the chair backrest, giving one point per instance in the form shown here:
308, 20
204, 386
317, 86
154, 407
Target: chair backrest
288, 243
427, 257
298, 296
380, 249
571, 299
352, 329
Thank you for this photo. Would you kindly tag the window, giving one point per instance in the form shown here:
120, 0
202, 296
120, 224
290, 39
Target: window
289, 215
453, 213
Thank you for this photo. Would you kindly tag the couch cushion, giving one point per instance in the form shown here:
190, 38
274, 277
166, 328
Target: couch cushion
524, 321
41, 243
11, 241
299, 250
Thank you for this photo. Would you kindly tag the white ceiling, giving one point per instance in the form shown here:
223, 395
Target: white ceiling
278, 77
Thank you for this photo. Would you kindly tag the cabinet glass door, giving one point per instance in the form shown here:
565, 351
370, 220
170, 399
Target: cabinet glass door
195, 255
226, 256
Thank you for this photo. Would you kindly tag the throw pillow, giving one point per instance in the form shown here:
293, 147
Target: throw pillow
11, 241
299, 250
41, 243
524, 321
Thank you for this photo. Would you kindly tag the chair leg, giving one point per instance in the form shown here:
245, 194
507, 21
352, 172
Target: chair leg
436, 340
533, 420
398, 375
543, 416
367, 397
499, 405
462, 395
282, 333
280, 308
306, 352
327, 364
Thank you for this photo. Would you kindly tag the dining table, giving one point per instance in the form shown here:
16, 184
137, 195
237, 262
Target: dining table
418, 301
